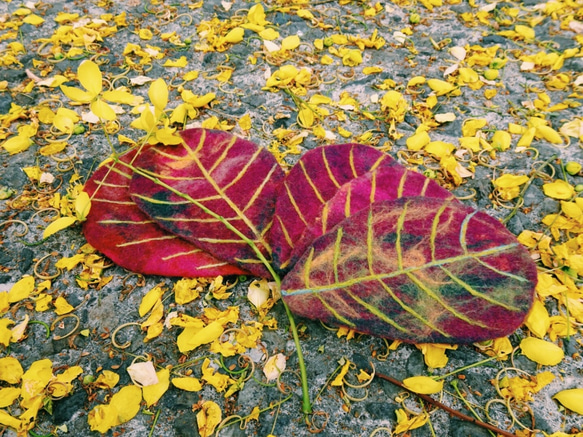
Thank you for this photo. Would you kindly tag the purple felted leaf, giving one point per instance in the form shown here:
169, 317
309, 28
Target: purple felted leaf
416, 269
330, 183
120, 230
314, 180
232, 177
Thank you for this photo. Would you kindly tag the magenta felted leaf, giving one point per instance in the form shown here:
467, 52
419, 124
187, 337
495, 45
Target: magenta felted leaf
232, 177
332, 182
417, 269
120, 230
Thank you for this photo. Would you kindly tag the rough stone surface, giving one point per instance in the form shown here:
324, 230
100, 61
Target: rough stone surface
102, 311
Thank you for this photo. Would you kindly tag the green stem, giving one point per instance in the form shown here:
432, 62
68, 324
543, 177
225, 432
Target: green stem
154, 423
306, 404
469, 366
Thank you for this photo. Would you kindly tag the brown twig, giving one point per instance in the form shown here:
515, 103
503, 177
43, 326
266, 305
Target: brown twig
451, 411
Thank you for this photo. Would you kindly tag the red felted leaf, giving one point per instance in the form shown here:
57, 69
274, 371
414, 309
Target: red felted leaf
232, 177
330, 183
119, 229
416, 269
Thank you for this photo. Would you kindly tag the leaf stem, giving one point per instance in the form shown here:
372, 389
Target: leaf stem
306, 404
154, 423
469, 366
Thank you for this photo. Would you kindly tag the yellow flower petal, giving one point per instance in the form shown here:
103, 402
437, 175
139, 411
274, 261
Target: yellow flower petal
153, 393
559, 189
118, 96
180, 62
90, 77
236, 35
33, 19
107, 379
62, 306
306, 117
158, 94
191, 338
76, 94
21, 290
267, 34
418, 140
472, 125
8, 395
5, 332
440, 87
541, 351
58, 225
571, 399
423, 385
150, 299
17, 144
12, 422
82, 205
186, 290
10, 370
127, 403
34, 381
208, 418
538, 320
145, 34
290, 43
256, 15
434, 354
187, 383
549, 134
526, 138
338, 381
501, 140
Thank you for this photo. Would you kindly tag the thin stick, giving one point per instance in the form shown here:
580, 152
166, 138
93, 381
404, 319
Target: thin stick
451, 411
